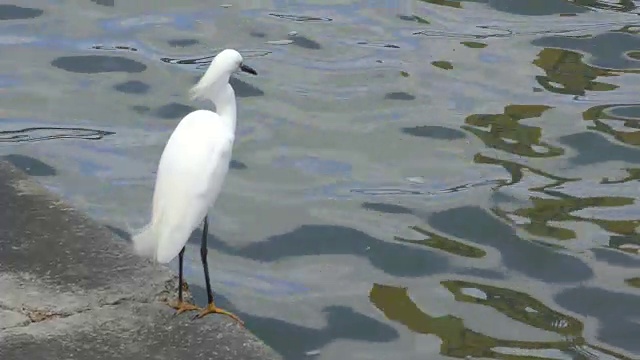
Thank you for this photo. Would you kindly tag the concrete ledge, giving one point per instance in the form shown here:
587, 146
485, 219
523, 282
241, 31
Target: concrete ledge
69, 289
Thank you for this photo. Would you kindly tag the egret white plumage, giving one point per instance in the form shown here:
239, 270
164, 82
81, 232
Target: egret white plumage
190, 175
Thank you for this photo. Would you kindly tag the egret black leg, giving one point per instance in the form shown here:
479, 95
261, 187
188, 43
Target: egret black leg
180, 305
211, 307
180, 278
204, 249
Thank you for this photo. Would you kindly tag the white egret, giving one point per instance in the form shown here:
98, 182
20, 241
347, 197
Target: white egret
190, 175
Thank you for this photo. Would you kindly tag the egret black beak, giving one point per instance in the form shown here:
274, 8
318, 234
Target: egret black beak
248, 69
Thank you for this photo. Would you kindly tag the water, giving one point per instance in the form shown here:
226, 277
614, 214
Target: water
411, 179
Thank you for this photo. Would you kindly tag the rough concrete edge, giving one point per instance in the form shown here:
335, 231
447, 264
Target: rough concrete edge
25, 185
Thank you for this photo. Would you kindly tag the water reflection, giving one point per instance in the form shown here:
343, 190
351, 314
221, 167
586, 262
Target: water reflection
506, 133
477, 225
615, 311
566, 73
544, 211
341, 323
608, 118
445, 244
516, 170
458, 341
607, 50
312, 240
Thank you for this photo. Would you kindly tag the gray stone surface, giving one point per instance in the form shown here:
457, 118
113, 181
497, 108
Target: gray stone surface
69, 289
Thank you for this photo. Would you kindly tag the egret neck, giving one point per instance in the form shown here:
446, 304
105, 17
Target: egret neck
225, 102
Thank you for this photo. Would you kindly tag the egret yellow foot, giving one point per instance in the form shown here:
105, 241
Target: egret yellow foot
182, 306
213, 309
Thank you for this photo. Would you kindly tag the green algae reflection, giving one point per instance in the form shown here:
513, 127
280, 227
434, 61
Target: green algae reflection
566, 73
505, 132
635, 282
545, 211
474, 44
602, 114
446, 65
445, 244
516, 170
460, 342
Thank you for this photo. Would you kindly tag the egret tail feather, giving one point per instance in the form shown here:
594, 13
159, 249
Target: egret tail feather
144, 242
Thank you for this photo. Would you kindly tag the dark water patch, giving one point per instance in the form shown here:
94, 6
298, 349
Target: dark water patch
448, 3
505, 132
14, 12
476, 225
445, 65
414, 18
538, 8
313, 240
300, 18
258, 34
31, 166
615, 311
386, 208
51, 133
434, 132
305, 42
244, 89
132, 87
173, 111
182, 42
109, 3
617, 258
566, 73
593, 148
94, 64
399, 95
607, 50
237, 165
341, 323
140, 109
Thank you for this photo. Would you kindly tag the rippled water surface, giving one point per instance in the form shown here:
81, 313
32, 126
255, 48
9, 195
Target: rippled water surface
411, 179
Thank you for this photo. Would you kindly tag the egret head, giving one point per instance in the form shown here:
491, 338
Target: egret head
217, 75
